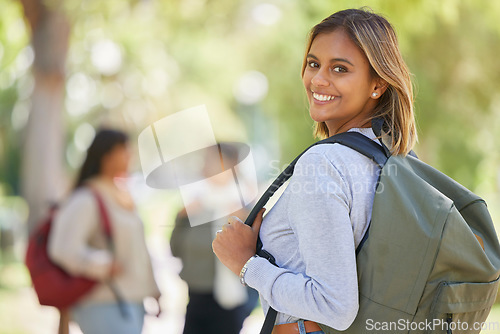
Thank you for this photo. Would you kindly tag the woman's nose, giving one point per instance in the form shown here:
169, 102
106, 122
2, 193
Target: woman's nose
319, 80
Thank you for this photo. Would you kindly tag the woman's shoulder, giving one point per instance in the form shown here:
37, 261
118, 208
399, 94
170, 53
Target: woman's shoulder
340, 157
82, 194
79, 206
81, 197
334, 152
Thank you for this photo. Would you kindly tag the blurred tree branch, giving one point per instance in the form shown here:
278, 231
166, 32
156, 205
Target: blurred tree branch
42, 164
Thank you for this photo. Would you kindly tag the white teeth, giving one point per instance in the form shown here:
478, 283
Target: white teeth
320, 97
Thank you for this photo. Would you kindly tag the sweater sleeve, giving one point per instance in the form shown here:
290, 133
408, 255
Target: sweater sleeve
71, 230
319, 215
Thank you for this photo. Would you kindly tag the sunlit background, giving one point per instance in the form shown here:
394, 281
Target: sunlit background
128, 64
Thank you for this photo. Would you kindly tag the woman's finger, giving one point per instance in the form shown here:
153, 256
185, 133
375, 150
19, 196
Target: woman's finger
258, 221
233, 219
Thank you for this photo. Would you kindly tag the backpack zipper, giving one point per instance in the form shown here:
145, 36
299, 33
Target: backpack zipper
449, 320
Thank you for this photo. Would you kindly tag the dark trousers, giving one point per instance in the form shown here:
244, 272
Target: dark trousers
205, 316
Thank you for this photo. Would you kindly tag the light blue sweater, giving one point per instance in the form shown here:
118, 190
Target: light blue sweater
313, 231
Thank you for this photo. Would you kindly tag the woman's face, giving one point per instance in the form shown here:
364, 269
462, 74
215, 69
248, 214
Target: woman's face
338, 82
116, 162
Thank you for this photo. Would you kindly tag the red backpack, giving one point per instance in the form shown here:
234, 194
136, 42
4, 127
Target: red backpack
54, 286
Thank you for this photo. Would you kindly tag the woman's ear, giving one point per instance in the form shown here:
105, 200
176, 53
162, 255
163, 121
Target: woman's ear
380, 88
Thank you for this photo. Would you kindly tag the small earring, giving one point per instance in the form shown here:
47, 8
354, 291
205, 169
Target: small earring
374, 94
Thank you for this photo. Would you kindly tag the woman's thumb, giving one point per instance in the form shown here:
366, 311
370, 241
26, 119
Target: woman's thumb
258, 220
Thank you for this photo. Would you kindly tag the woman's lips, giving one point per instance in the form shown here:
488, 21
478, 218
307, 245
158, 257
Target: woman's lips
323, 97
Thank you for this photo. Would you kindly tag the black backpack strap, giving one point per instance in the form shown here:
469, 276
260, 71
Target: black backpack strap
353, 140
361, 144
268, 325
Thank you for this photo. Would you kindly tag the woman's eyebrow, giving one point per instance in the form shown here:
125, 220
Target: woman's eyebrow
341, 60
310, 55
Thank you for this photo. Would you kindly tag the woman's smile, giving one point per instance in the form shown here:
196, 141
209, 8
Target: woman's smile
322, 98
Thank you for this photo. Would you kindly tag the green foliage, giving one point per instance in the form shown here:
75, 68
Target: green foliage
177, 54
456, 73
15, 82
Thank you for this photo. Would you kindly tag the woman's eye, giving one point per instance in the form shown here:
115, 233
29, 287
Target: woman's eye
312, 64
339, 69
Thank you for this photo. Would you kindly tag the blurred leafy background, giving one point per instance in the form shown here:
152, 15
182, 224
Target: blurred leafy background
130, 63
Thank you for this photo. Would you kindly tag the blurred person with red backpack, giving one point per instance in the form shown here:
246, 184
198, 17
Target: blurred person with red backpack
121, 264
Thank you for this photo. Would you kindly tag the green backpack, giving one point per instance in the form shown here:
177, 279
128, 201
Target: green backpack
430, 261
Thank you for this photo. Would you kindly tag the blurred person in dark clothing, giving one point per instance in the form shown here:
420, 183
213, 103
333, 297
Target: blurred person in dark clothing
218, 303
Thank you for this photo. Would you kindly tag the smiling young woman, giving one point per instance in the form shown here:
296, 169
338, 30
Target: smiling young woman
369, 41
353, 72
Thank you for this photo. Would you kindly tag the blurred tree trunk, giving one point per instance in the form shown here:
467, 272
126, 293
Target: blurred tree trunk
42, 164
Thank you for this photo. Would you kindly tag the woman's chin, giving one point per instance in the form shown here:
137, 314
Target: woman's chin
317, 117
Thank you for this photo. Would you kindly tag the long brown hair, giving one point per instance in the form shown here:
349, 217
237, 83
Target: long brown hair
376, 38
104, 142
